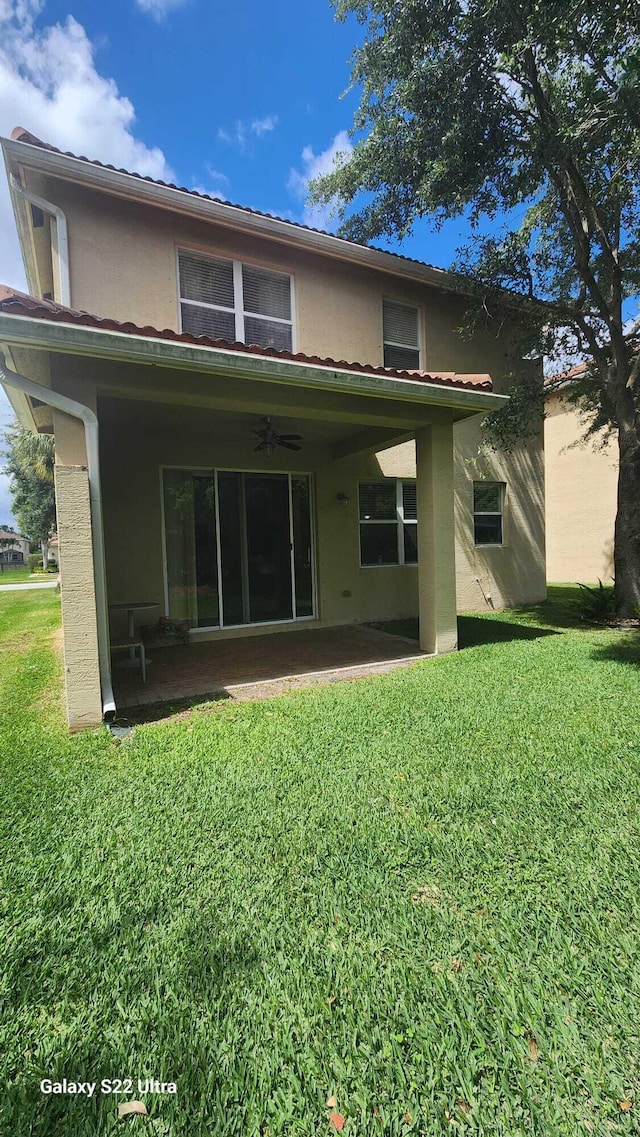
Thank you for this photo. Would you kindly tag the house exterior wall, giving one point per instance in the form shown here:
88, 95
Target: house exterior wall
17, 552
337, 313
581, 492
79, 628
138, 439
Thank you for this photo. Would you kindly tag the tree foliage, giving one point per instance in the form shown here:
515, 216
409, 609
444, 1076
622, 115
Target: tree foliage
29, 464
525, 116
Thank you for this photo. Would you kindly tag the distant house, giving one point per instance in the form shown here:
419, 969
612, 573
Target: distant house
580, 495
54, 553
12, 555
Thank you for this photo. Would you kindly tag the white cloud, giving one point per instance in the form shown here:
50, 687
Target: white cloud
216, 175
238, 135
49, 84
313, 166
159, 8
261, 126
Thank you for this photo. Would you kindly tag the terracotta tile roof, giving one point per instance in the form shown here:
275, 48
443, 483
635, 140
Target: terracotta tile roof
17, 303
19, 134
6, 533
565, 376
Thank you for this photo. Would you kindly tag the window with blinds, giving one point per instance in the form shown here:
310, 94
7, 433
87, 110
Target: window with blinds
234, 301
388, 523
401, 336
488, 511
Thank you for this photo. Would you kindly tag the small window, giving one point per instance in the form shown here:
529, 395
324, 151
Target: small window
388, 523
488, 508
235, 302
401, 336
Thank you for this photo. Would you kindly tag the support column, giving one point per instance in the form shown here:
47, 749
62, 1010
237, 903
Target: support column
77, 582
436, 539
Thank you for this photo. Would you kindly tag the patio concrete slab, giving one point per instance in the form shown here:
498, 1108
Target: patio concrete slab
258, 667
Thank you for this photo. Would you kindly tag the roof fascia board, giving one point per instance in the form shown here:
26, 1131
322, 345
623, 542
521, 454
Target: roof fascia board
124, 347
231, 217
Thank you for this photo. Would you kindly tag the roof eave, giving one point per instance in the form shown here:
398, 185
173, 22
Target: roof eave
175, 200
19, 402
128, 347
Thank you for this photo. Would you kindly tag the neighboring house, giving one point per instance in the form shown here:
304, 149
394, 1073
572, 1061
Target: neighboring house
200, 339
13, 555
581, 480
54, 552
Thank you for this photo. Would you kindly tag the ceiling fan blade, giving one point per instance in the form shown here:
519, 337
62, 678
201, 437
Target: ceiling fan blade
291, 437
260, 446
288, 445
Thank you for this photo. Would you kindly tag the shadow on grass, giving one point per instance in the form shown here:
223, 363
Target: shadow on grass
625, 650
559, 609
476, 630
175, 708
494, 628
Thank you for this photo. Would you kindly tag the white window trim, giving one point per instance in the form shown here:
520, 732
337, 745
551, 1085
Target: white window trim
399, 523
238, 309
490, 513
407, 346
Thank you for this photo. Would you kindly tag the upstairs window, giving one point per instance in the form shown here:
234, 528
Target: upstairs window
388, 523
488, 509
235, 302
401, 336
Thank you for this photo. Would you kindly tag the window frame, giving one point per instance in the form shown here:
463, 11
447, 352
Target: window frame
407, 347
399, 521
238, 309
313, 513
502, 486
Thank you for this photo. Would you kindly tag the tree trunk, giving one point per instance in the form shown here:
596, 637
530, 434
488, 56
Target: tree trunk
44, 545
627, 536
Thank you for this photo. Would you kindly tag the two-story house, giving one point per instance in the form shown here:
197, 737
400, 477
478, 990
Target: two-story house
258, 426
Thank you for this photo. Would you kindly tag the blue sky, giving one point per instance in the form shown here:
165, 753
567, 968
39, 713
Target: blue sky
240, 99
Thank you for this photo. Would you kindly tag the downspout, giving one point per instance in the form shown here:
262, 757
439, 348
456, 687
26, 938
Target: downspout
60, 240
90, 421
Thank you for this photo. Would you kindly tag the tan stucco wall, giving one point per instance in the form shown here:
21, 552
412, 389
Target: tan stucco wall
581, 489
137, 439
338, 305
338, 313
80, 639
510, 574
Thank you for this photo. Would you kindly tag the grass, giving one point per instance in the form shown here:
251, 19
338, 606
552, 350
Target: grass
417, 894
24, 576
16, 576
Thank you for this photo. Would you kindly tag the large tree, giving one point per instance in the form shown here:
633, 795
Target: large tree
526, 114
29, 464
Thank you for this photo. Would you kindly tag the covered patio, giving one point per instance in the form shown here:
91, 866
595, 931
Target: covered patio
166, 494
260, 666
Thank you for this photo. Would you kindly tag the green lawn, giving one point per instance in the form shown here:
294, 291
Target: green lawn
417, 894
15, 576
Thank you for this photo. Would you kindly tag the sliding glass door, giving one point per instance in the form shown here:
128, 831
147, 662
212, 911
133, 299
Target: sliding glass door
190, 547
238, 547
